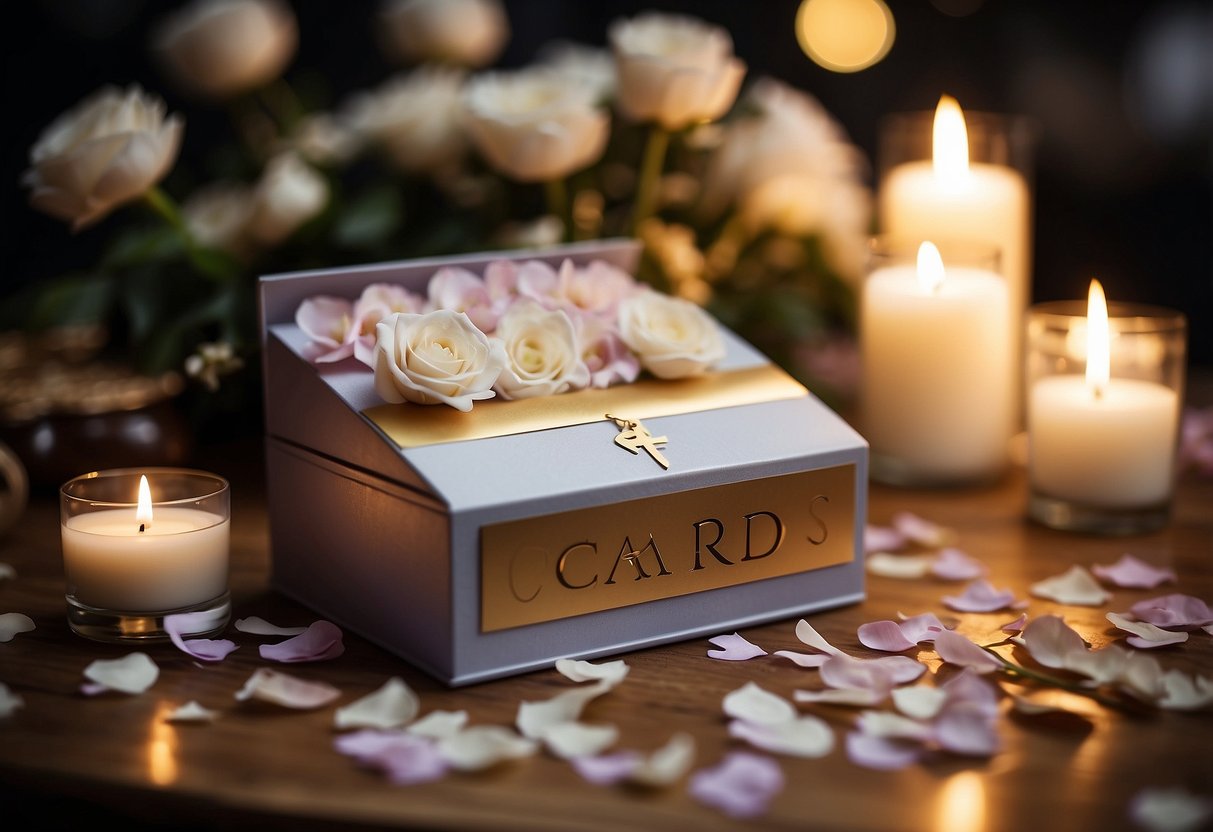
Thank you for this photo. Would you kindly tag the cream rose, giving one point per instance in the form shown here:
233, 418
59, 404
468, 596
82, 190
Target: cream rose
468, 33
109, 149
288, 194
674, 70
532, 125
414, 118
217, 216
673, 337
218, 48
542, 357
436, 358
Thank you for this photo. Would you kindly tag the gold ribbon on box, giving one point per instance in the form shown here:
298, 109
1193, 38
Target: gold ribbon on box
414, 426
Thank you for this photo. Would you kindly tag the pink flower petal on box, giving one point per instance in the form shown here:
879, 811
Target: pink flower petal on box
1075, 586
1171, 809
1131, 572
1173, 611
288, 691
954, 648
880, 753
607, 769
319, 642
809, 660
260, 627
954, 565
1052, 642
734, 648
203, 649
882, 539
1145, 634
884, 635
981, 596
742, 785
921, 531
12, 623
1016, 626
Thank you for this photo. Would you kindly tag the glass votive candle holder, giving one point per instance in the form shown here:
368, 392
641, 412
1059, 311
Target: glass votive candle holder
1104, 410
141, 545
938, 376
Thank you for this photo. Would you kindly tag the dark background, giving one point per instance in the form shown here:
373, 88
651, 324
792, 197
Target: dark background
1121, 93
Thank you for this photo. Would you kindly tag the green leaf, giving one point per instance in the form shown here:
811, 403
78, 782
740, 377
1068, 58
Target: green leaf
72, 299
370, 219
140, 246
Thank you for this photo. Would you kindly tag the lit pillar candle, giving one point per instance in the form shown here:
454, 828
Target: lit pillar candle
1097, 440
937, 368
950, 198
145, 558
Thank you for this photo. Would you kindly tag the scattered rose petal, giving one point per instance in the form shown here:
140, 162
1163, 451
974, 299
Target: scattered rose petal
884, 635
569, 740
1208, 628
1074, 586
1051, 642
607, 769
1100, 666
1131, 572
923, 627
741, 786
981, 596
966, 728
288, 691
952, 564
391, 706
1145, 634
734, 648
9, 701
880, 753
203, 649
1182, 692
1035, 705
803, 659
1141, 676
535, 718
406, 759
133, 673
806, 736
954, 648
903, 567
753, 704
319, 642
892, 726
921, 531
1015, 626
368, 743
438, 725
579, 671
191, 712
483, 746
667, 764
847, 672
7, 572
1170, 810
930, 621
919, 701
1175, 610
260, 627
972, 690
857, 697
12, 623
808, 635
882, 539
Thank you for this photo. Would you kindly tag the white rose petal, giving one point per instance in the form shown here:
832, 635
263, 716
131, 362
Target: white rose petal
133, 673
902, 567
1182, 692
667, 764
12, 623
1170, 810
392, 705
535, 718
673, 338
191, 712
439, 725
288, 691
577, 739
482, 746
260, 627
859, 697
582, 671
1146, 632
1075, 586
892, 726
7, 571
806, 736
753, 704
919, 701
9, 701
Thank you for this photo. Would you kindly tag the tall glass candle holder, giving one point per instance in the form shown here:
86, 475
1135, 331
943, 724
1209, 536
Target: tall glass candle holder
141, 545
936, 400
1104, 404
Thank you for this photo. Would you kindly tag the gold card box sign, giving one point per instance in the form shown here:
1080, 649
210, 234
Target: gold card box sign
604, 557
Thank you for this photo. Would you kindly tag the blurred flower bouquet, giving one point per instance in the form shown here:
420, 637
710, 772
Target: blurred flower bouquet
750, 201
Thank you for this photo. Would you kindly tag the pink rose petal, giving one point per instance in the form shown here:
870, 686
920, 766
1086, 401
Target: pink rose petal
321, 641
741, 786
954, 565
803, 659
882, 539
607, 769
881, 753
288, 691
1016, 626
884, 635
843, 671
921, 531
954, 648
923, 627
1131, 572
1173, 611
981, 596
734, 648
1145, 634
806, 736
405, 758
1075, 586
973, 690
1051, 642
967, 729
203, 649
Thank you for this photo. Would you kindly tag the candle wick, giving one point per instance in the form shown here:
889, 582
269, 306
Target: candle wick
142, 527
1098, 392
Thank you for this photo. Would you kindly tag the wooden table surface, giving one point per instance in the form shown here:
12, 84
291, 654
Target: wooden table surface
66, 758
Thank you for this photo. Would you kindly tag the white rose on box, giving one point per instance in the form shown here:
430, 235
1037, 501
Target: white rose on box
542, 357
464, 32
288, 194
532, 125
108, 150
674, 70
218, 48
414, 118
673, 338
436, 358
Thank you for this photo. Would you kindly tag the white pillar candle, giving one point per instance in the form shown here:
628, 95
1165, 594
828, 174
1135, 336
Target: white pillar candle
179, 559
950, 198
1102, 441
937, 369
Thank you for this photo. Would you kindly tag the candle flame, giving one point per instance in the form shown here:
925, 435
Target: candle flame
143, 514
930, 268
950, 140
1098, 338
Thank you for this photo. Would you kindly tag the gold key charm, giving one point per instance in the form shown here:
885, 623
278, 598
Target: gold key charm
633, 436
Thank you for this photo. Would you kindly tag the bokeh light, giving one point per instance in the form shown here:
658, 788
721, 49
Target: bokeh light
845, 35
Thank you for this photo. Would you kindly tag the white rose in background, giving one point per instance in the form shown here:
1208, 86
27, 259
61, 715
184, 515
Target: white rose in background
673, 338
220, 48
542, 357
468, 33
414, 118
288, 194
109, 149
436, 358
533, 126
674, 70
583, 66
324, 139
217, 216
